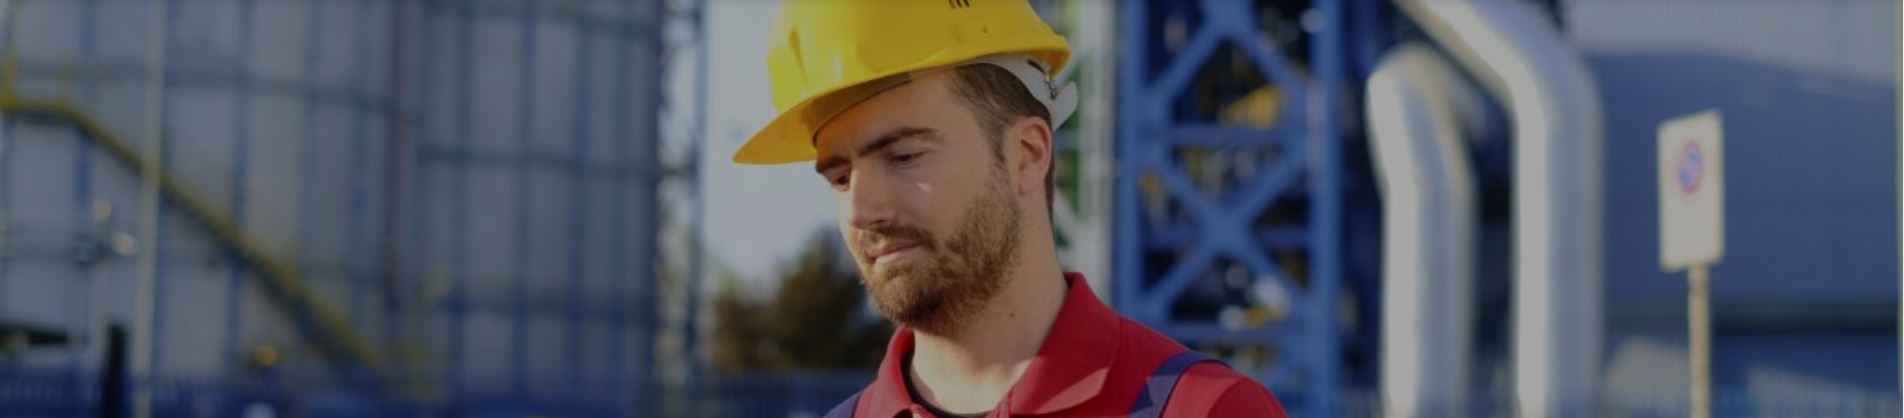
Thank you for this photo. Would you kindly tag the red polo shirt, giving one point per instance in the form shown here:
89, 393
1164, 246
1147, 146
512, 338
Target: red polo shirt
1093, 364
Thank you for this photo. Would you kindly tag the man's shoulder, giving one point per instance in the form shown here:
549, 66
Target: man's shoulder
848, 407
1203, 389
1213, 389
1145, 342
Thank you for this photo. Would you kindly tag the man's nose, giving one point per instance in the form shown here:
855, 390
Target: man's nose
869, 201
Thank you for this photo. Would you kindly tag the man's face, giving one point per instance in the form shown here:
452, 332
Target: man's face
925, 204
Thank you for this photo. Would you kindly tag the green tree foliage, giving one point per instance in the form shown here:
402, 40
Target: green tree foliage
817, 320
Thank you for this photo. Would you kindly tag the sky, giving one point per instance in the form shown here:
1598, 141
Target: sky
758, 217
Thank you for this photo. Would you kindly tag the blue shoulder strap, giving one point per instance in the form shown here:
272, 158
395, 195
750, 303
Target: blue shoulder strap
1157, 388
845, 408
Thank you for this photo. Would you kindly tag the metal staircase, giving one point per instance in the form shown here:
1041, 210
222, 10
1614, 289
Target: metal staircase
282, 277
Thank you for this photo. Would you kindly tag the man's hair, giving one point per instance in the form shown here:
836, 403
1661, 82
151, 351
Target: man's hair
998, 99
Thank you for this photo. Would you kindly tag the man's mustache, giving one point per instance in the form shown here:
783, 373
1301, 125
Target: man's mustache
873, 238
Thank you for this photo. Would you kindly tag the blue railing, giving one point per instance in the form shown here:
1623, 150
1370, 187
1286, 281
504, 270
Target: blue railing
33, 393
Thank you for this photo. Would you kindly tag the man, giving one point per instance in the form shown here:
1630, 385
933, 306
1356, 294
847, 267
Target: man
932, 120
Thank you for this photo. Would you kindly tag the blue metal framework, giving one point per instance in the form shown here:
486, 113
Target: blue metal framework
360, 256
161, 251
525, 122
82, 178
1161, 253
240, 153
459, 213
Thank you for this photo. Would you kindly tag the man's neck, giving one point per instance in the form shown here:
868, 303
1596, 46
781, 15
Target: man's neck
970, 370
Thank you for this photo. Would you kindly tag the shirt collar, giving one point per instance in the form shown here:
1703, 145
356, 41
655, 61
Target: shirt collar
1069, 369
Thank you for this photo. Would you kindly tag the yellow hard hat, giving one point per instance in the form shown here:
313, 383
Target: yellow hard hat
827, 55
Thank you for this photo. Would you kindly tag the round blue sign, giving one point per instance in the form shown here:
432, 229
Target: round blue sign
1692, 167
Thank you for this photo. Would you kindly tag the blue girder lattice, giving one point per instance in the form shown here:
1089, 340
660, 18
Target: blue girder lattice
1209, 208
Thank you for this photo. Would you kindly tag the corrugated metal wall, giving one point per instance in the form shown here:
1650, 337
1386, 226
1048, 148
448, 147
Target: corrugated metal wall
470, 184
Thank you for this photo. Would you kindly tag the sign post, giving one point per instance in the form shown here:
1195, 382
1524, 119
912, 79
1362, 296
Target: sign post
1692, 230
1699, 340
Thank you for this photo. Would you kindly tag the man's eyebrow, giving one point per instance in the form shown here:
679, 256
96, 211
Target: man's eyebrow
883, 141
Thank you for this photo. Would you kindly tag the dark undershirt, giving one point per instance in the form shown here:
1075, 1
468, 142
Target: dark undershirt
906, 369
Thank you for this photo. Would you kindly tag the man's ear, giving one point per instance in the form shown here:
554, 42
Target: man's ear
1031, 139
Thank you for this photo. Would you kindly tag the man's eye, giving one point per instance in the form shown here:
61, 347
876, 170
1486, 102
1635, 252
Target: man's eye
904, 158
838, 180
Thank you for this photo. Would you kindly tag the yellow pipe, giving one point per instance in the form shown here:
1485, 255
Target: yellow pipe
277, 273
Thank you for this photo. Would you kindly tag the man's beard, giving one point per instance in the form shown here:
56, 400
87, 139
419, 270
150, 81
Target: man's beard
942, 292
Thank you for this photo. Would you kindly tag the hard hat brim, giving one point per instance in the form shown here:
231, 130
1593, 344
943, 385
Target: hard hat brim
788, 138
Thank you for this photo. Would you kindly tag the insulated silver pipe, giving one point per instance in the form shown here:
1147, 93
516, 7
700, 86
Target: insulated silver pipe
1416, 101
1519, 57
